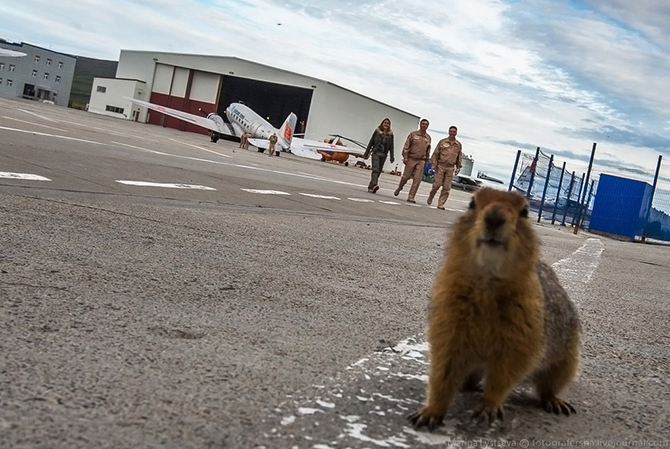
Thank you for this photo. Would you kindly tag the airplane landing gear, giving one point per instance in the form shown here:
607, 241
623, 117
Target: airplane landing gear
214, 136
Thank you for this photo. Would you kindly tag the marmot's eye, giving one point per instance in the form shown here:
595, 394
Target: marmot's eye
472, 203
524, 213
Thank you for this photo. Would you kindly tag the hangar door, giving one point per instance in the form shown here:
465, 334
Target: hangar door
271, 101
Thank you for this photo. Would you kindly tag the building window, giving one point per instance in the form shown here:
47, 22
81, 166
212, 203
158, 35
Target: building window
34, 73
58, 78
37, 59
0, 80
2, 66
48, 61
102, 89
9, 82
114, 109
60, 65
11, 67
46, 76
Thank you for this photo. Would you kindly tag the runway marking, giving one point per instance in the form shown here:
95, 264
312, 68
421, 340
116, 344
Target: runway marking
34, 124
577, 270
201, 148
367, 384
164, 184
140, 148
324, 197
36, 133
395, 203
37, 115
361, 200
266, 192
25, 176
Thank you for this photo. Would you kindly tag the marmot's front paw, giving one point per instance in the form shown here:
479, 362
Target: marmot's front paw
491, 413
557, 406
424, 418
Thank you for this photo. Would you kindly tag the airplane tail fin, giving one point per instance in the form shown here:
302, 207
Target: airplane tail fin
286, 131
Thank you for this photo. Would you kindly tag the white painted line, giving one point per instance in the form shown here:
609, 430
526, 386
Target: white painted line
40, 116
361, 200
201, 148
266, 192
25, 176
34, 124
577, 270
50, 135
390, 202
324, 197
164, 184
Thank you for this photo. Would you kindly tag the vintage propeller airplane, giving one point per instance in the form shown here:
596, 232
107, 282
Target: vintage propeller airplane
242, 119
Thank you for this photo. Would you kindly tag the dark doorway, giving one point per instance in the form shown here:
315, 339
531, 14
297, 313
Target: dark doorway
29, 91
273, 102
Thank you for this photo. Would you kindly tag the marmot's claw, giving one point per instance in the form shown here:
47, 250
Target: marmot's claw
491, 413
421, 418
558, 406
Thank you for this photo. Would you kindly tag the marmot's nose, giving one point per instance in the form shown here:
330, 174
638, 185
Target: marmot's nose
494, 219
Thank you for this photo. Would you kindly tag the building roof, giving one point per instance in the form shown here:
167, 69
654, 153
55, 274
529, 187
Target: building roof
273, 68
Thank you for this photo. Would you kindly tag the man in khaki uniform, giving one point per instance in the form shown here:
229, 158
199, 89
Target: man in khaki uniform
273, 143
415, 155
447, 161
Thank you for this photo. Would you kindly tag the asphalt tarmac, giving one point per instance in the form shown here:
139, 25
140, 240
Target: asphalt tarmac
159, 290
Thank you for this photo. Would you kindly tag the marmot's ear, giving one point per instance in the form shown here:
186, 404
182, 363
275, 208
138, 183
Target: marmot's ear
524, 212
472, 203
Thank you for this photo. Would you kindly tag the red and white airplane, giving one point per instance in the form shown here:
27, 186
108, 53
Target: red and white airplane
243, 119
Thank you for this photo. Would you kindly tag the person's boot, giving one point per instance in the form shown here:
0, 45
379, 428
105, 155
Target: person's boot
397, 191
431, 195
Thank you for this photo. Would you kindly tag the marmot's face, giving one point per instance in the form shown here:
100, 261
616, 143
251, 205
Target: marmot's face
500, 222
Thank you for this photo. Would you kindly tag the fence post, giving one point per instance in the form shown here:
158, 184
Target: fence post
588, 174
558, 194
516, 164
544, 191
582, 188
567, 199
653, 192
532, 173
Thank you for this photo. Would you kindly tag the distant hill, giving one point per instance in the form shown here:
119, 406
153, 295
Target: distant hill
84, 71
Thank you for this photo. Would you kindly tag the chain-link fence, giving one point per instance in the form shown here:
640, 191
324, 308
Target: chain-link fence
554, 192
658, 222
565, 194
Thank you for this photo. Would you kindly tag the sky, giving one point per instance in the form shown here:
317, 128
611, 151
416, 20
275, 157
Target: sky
511, 74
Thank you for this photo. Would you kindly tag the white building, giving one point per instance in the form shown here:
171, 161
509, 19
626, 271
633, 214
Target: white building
193, 82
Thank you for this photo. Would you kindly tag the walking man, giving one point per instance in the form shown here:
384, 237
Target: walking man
415, 155
273, 143
447, 161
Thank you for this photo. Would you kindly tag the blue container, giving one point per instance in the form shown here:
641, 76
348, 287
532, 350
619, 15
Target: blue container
621, 206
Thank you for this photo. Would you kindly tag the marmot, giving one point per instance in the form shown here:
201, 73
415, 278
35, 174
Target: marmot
498, 313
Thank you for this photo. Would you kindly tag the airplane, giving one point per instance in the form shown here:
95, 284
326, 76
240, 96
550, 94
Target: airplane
11, 53
244, 119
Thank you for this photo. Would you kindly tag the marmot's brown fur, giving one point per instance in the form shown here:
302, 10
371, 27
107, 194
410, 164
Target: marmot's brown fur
499, 313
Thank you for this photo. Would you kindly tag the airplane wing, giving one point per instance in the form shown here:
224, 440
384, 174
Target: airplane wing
260, 143
185, 116
314, 146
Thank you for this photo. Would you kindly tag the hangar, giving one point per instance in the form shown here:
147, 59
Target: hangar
210, 83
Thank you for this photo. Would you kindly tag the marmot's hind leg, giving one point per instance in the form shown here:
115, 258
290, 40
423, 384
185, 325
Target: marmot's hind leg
552, 380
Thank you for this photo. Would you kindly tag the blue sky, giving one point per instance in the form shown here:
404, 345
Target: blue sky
510, 74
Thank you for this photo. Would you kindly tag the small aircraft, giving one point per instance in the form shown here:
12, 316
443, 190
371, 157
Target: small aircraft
243, 119
11, 53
